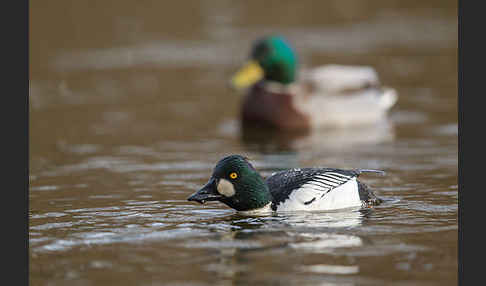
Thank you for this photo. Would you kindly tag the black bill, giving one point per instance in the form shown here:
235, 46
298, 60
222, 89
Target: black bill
207, 193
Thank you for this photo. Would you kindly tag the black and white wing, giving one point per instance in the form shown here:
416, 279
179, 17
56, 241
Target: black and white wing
315, 188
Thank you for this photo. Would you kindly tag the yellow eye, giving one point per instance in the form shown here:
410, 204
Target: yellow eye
233, 175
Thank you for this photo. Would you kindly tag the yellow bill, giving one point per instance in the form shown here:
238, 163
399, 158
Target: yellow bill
249, 74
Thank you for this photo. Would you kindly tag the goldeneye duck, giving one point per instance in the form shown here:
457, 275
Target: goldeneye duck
236, 183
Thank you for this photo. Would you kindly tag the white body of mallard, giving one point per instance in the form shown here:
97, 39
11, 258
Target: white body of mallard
333, 96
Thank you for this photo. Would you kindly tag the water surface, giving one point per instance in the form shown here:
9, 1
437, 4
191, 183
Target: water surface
130, 110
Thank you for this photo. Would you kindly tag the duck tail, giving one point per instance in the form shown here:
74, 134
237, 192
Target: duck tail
389, 98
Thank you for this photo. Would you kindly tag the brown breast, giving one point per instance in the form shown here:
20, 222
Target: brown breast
261, 106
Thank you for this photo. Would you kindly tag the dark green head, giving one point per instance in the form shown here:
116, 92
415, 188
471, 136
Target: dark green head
276, 58
272, 59
235, 183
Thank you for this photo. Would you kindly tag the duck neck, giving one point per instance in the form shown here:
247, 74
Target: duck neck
255, 196
262, 197
282, 72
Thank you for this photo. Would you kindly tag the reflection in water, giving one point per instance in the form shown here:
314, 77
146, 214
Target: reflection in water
344, 218
255, 239
326, 242
309, 226
265, 140
304, 232
331, 269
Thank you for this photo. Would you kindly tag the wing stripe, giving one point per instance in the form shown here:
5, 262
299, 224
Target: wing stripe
331, 180
334, 174
325, 182
324, 186
319, 187
337, 176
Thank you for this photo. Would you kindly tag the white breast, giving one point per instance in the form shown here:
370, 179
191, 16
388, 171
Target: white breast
264, 210
344, 196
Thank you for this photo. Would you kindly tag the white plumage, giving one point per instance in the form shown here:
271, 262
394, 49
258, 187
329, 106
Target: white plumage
345, 96
338, 78
320, 197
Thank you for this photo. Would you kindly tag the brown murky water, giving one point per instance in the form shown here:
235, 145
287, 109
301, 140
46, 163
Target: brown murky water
130, 110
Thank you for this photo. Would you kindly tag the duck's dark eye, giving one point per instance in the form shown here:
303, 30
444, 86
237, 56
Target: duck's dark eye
233, 175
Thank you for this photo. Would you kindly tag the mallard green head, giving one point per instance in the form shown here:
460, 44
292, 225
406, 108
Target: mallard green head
235, 183
272, 58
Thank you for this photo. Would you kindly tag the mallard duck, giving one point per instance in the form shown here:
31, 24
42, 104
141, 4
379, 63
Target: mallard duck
236, 183
326, 96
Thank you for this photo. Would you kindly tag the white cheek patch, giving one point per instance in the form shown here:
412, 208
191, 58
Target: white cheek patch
225, 188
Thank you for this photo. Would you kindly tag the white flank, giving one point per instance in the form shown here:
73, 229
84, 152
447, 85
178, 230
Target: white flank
336, 78
266, 209
345, 96
360, 108
344, 196
225, 188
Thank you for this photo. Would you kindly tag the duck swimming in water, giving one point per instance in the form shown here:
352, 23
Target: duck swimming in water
236, 183
282, 96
